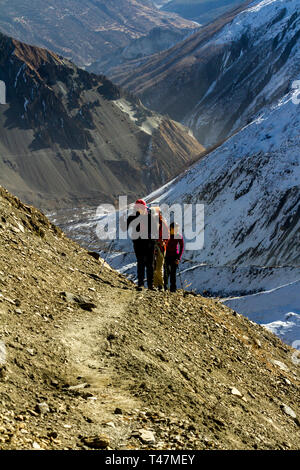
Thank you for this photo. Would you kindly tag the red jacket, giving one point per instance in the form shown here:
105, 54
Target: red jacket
175, 247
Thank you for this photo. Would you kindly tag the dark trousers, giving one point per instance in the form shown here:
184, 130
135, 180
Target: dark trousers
170, 272
144, 252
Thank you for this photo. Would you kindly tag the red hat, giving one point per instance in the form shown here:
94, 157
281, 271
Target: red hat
140, 202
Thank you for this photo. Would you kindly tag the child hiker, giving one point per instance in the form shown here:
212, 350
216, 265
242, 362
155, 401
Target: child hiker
174, 251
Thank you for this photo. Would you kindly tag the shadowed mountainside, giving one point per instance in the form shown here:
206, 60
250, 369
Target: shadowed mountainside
68, 137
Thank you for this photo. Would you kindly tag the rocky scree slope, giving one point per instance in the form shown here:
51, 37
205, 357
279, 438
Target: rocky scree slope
71, 138
89, 362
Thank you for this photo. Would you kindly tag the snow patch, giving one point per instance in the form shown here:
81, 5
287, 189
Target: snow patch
147, 124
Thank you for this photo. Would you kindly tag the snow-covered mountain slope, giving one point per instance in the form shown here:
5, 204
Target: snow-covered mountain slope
250, 189
278, 309
219, 78
251, 192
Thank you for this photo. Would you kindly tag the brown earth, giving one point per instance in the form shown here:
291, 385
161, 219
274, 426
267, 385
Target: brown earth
167, 363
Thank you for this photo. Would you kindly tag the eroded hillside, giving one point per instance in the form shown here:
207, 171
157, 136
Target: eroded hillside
70, 138
87, 361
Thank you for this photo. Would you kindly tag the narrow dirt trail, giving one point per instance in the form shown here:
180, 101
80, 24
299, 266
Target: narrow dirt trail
85, 340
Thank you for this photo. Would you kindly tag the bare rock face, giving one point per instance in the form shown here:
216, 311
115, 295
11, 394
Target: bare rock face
69, 137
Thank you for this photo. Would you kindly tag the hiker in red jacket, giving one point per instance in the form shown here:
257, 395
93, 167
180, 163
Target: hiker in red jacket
143, 244
174, 253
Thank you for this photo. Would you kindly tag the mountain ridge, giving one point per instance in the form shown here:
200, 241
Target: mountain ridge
202, 11
85, 32
258, 46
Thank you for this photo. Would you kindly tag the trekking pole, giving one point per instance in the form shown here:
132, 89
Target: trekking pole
180, 277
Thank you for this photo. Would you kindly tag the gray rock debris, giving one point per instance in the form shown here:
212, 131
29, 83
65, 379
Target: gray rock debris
96, 442
147, 437
236, 392
42, 408
83, 302
279, 364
